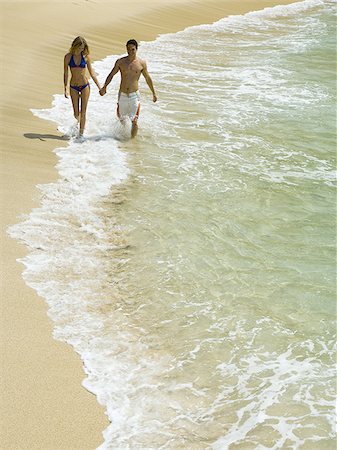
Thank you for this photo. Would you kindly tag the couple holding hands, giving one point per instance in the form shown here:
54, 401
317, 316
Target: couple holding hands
130, 67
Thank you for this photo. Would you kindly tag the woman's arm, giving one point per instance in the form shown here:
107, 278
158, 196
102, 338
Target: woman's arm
92, 72
65, 74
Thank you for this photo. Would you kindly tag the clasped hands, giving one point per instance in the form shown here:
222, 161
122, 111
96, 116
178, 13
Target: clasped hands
102, 91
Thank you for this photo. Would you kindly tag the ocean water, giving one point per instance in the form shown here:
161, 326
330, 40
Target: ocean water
193, 268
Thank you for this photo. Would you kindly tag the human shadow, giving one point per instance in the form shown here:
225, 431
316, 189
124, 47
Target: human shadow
44, 137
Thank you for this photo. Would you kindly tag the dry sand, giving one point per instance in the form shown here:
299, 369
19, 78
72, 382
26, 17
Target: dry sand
43, 405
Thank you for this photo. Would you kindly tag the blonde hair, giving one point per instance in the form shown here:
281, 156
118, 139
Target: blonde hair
77, 42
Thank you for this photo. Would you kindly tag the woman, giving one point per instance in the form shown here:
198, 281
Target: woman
77, 60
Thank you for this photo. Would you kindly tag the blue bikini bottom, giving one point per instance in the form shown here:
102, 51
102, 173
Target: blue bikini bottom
79, 88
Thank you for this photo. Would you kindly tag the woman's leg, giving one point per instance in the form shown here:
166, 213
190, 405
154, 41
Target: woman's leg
75, 98
84, 103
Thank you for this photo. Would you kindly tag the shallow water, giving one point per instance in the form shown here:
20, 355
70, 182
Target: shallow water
193, 269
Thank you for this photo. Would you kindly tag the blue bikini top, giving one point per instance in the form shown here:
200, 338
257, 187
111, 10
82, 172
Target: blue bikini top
82, 64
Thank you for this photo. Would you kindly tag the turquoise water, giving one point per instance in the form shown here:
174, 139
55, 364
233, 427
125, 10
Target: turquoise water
197, 280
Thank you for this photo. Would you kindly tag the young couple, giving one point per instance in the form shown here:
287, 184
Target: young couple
130, 67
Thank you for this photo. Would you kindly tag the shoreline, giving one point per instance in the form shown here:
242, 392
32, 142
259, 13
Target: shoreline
43, 402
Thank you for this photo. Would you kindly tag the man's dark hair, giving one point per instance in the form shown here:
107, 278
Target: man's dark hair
132, 42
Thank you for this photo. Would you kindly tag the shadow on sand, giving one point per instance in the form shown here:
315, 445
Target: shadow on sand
44, 137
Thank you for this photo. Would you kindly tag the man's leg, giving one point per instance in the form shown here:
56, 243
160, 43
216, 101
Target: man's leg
134, 129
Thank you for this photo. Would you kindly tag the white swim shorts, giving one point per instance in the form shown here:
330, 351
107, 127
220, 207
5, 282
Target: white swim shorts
128, 105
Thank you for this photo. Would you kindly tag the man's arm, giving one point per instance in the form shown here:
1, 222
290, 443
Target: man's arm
110, 77
149, 81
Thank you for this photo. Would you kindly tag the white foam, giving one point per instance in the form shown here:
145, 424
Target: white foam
286, 371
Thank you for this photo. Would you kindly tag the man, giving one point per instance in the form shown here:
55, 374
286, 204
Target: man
130, 67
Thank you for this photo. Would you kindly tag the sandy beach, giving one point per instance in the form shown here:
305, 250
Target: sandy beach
43, 405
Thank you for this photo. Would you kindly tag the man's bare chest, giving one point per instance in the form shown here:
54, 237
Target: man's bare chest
131, 68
